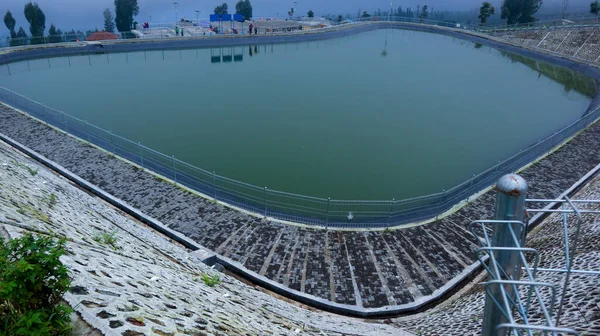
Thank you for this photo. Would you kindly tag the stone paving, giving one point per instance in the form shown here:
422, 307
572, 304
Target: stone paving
399, 267
144, 284
463, 315
583, 43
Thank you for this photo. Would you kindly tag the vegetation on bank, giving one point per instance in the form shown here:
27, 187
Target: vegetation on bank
32, 284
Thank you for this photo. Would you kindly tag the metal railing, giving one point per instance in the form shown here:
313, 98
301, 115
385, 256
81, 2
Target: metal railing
167, 30
512, 304
324, 212
558, 23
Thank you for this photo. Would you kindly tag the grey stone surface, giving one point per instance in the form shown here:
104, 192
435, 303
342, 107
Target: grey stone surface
144, 283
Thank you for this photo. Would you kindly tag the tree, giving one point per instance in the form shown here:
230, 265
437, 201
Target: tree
366, 15
311, 14
339, 19
125, 10
37, 22
54, 35
520, 11
424, 12
594, 8
245, 8
109, 21
221, 9
291, 13
10, 23
486, 11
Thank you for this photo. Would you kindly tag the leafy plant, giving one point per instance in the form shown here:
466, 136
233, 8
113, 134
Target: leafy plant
51, 200
28, 210
107, 238
211, 281
32, 284
31, 171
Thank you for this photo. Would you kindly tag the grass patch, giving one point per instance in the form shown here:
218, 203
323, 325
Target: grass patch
28, 210
31, 171
51, 200
211, 281
107, 239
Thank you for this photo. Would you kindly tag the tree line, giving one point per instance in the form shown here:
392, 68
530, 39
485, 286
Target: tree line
513, 11
123, 21
243, 7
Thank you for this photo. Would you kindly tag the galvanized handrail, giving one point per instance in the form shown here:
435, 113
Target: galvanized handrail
503, 254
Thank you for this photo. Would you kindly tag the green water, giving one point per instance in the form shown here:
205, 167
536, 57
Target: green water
378, 115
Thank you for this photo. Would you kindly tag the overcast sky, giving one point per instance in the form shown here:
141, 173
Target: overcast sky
87, 14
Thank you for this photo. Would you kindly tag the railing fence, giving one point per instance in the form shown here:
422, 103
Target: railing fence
323, 212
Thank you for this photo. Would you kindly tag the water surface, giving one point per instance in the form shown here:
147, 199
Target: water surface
378, 115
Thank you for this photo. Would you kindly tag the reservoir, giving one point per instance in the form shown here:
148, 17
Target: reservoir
377, 115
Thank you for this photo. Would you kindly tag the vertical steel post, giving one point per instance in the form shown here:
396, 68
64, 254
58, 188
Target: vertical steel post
265, 201
112, 142
391, 211
511, 190
214, 185
141, 155
327, 216
64, 120
87, 132
174, 171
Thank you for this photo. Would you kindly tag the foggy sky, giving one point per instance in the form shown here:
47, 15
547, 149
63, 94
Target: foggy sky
87, 14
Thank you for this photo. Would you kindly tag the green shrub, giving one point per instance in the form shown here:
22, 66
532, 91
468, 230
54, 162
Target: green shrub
107, 238
32, 284
211, 281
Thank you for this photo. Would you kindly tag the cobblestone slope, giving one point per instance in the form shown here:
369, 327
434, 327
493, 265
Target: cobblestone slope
363, 269
144, 284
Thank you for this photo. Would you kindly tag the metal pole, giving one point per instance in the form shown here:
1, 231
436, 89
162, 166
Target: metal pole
64, 120
112, 142
327, 216
85, 124
511, 190
265, 201
391, 211
174, 171
141, 155
214, 185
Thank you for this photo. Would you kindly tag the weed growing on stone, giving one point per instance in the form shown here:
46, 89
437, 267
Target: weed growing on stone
51, 200
33, 284
107, 239
211, 281
31, 171
28, 210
